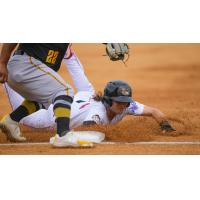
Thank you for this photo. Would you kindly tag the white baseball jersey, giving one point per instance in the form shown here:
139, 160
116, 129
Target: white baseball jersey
84, 107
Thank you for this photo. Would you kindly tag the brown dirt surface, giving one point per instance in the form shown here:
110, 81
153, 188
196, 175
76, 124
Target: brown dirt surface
165, 76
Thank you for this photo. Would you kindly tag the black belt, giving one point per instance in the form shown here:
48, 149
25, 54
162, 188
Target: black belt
18, 52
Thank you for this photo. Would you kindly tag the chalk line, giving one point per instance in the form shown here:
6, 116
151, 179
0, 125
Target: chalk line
113, 143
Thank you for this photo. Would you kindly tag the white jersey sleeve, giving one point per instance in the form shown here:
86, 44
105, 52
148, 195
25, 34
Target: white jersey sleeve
135, 108
76, 71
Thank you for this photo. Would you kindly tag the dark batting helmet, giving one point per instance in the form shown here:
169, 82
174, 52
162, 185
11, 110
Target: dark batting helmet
118, 91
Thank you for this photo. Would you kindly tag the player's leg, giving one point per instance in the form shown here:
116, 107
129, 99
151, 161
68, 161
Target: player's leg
50, 88
40, 119
10, 123
62, 110
20, 107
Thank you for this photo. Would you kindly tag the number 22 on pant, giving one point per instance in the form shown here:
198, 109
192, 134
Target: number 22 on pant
52, 56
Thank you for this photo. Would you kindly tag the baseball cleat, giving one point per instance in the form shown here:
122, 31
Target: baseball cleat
11, 129
69, 140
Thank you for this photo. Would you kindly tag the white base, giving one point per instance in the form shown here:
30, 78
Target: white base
90, 136
78, 138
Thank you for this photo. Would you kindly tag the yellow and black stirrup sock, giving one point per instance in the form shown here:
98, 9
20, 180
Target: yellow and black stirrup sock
62, 110
25, 109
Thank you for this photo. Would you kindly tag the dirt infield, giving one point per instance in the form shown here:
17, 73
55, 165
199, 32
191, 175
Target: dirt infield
166, 76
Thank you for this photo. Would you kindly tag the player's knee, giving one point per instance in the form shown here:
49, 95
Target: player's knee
69, 91
18, 77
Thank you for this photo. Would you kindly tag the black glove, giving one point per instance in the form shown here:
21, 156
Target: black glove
165, 126
117, 51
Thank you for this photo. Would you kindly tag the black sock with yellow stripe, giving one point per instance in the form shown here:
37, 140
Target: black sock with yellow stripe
25, 109
62, 110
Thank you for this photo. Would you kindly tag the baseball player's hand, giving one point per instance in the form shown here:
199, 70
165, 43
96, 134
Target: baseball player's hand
3, 73
117, 51
167, 128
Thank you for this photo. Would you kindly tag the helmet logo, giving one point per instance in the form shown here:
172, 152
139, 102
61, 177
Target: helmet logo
123, 91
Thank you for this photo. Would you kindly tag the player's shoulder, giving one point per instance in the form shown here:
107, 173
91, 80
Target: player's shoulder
135, 108
97, 105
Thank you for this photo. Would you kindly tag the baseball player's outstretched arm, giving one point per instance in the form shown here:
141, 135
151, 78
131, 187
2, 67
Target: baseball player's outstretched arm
139, 109
77, 73
4, 57
159, 117
154, 112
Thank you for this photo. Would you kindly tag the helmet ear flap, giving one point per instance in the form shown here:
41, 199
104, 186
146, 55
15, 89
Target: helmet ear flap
107, 101
110, 102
